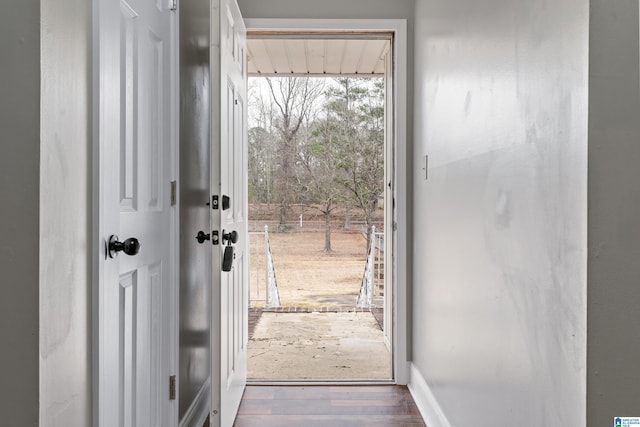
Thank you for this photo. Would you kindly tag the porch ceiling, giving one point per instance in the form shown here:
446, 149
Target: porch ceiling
316, 56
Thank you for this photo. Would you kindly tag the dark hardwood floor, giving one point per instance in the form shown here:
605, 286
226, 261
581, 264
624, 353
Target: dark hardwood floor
307, 406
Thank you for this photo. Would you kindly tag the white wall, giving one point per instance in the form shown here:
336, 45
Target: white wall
500, 225
65, 219
19, 188
613, 380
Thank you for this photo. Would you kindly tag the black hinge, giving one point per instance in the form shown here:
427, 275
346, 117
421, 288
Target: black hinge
172, 387
214, 202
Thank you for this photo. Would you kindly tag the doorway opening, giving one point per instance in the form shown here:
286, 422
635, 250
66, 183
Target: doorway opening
320, 164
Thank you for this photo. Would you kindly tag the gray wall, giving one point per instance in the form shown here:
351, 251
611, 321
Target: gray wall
19, 187
500, 226
613, 380
44, 182
65, 219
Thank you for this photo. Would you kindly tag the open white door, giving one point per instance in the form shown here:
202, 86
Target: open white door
229, 184
135, 132
389, 203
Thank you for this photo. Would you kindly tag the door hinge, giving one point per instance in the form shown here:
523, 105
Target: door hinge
173, 4
174, 193
172, 387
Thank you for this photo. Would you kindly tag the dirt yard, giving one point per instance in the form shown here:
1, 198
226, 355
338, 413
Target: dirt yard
307, 276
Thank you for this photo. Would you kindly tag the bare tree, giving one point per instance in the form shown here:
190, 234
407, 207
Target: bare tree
261, 145
260, 165
293, 99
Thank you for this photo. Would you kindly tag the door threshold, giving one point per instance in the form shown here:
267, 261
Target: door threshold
307, 382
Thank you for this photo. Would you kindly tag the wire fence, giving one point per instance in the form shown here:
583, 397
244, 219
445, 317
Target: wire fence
303, 226
263, 287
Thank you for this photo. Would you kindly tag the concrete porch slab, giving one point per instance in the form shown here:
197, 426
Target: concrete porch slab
318, 346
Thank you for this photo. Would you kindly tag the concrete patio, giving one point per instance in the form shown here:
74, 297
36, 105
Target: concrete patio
344, 345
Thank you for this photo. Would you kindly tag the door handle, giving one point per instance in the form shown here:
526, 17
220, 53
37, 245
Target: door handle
230, 237
201, 237
131, 246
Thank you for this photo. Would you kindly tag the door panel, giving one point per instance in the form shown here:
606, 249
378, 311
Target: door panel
128, 107
135, 139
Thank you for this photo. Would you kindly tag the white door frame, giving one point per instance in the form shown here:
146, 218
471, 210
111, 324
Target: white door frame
400, 238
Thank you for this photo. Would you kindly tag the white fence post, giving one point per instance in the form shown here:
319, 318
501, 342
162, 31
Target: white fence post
266, 263
365, 297
272, 298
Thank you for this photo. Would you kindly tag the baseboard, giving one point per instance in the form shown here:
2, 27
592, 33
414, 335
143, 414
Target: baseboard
425, 400
199, 408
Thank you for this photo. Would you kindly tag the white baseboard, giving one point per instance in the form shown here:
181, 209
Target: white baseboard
199, 408
425, 400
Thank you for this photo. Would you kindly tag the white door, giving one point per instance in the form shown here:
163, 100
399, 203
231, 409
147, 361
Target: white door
389, 203
229, 180
135, 77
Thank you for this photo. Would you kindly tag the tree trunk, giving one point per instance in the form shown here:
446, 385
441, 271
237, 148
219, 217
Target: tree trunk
282, 226
347, 219
327, 231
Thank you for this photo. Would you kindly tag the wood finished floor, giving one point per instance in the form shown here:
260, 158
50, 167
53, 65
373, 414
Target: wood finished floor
307, 406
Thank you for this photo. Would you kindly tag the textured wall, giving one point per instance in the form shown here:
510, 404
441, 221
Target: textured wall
65, 220
613, 381
500, 226
19, 187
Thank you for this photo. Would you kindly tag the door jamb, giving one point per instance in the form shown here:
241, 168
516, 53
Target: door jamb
400, 238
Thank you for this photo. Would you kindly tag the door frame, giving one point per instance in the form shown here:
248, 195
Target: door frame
400, 239
101, 226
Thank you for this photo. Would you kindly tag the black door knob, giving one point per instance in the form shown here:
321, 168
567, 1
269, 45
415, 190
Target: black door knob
231, 237
201, 237
131, 246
